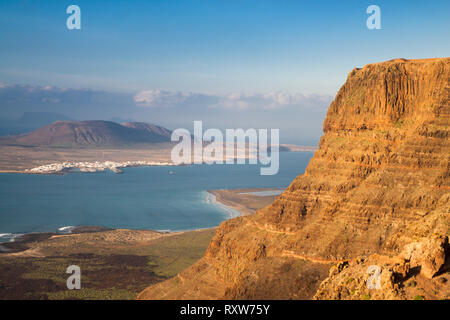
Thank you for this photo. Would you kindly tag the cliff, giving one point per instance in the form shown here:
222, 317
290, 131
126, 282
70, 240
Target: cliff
379, 181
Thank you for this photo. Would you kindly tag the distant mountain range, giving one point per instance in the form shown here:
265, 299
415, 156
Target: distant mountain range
30, 121
92, 133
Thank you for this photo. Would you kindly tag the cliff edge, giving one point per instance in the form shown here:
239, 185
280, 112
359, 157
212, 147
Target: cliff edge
379, 182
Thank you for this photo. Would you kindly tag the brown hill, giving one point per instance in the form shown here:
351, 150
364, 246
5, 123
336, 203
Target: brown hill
379, 181
93, 133
150, 128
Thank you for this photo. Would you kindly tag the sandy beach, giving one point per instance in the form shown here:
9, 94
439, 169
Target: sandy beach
244, 200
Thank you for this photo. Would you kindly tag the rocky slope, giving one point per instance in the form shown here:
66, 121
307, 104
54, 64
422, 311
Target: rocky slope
379, 181
150, 128
92, 133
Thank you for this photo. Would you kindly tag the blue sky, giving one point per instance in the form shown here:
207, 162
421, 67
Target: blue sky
210, 47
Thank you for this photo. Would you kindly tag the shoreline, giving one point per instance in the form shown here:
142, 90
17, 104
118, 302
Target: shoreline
91, 167
211, 198
242, 200
220, 198
20, 159
19, 241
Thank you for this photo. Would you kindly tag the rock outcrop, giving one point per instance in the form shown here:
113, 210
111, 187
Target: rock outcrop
419, 271
379, 181
428, 254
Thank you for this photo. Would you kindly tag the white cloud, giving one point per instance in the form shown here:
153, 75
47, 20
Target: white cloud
239, 101
158, 98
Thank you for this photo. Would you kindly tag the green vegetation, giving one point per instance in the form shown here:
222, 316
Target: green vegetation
418, 298
399, 123
117, 271
170, 255
93, 294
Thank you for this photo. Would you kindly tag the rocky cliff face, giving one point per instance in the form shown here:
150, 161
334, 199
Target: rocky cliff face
379, 181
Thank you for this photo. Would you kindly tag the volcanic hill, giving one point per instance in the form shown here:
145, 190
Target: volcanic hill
92, 133
376, 192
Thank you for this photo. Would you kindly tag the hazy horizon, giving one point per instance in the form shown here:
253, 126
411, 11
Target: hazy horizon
233, 64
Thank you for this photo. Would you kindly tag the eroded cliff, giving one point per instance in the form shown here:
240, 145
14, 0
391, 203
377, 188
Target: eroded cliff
379, 181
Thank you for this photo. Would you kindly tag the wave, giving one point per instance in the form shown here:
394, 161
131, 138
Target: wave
9, 237
164, 230
211, 199
66, 229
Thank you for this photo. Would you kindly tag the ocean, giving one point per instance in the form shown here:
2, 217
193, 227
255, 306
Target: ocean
154, 198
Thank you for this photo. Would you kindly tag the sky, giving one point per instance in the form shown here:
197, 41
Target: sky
230, 63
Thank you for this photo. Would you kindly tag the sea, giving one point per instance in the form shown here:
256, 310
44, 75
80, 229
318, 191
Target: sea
144, 198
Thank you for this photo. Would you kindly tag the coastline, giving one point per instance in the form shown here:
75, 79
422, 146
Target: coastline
18, 159
59, 168
232, 211
21, 241
22, 159
243, 200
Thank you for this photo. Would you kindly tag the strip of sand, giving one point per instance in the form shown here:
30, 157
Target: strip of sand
243, 200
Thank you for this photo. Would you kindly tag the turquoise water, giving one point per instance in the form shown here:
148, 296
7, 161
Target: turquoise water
140, 198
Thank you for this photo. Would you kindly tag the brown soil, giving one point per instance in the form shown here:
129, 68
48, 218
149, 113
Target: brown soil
115, 264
